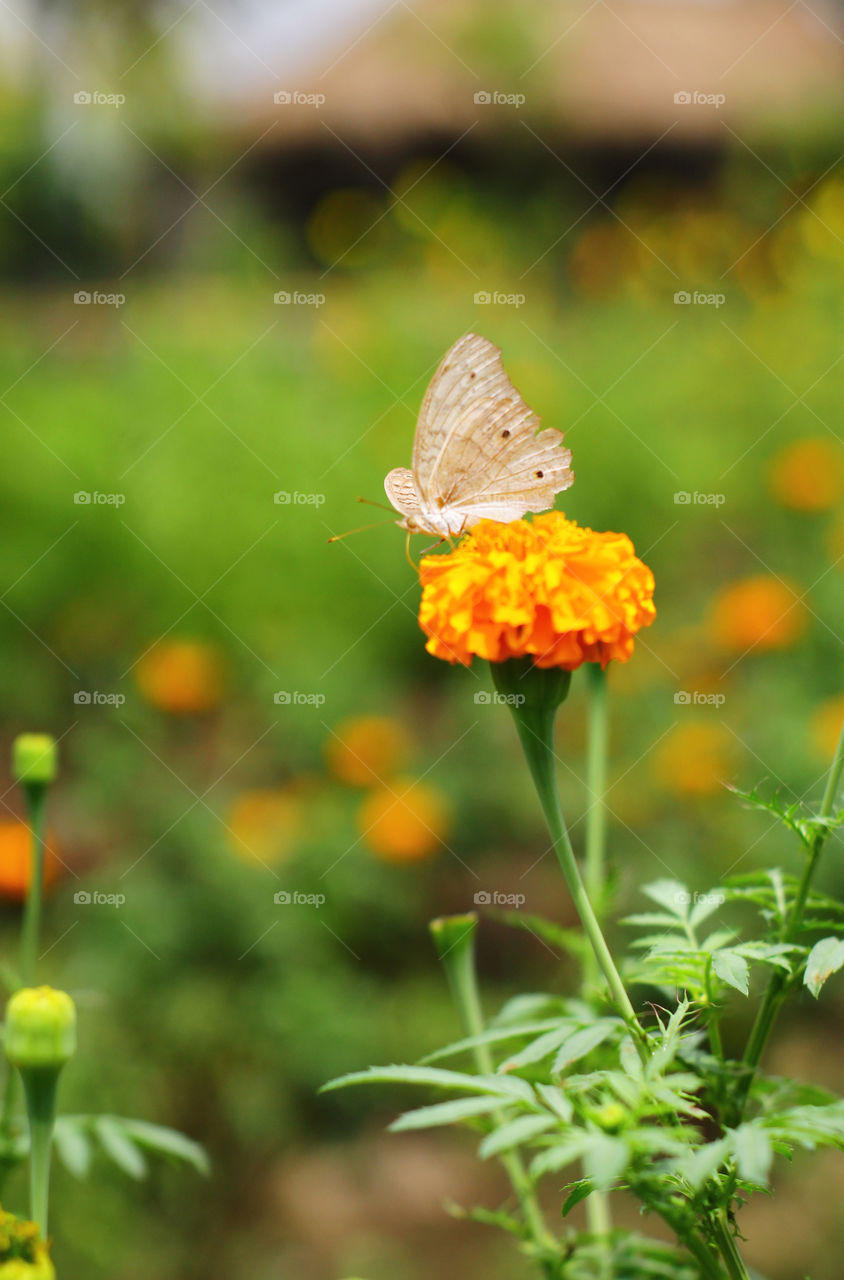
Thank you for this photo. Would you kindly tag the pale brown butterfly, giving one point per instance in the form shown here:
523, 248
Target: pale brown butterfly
478, 451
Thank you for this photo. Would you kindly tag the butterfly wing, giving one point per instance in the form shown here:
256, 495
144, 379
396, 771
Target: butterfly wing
478, 452
400, 488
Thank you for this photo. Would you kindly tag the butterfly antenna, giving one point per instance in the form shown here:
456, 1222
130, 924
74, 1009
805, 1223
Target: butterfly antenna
379, 524
371, 503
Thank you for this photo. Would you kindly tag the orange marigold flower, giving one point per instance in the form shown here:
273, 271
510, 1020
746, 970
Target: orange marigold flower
364, 750
808, 475
544, 588
16, 861
181, 677
406, 821
694, 759
758, 613
264, 824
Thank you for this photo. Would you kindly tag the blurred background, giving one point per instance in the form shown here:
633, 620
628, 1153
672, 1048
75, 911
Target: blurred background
235, 240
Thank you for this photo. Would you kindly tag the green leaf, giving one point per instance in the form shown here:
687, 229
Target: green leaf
605, 1159
570, 941
541, 1048
753, 1153
672, 895
495, 1035
73, 1147
445, 1113
165, 1141
706, 904
119, 1147
560, 1155
732, 969
579, 1191
514, 1134
556, 1101
500, 1086
825, 958
699, 1165
583, 1041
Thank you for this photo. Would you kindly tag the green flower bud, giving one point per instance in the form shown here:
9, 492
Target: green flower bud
610, 1117
449, 932
35, 758
40, 1029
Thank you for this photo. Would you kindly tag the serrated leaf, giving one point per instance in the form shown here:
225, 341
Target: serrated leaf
825, 959
556, 1101
541, 1048
441, 1113
706, 904
495, 1035
570, 941
438, 1078
579, 1191
605, 1159
732, 969
753, 1153
672, 895
514, 1134
73, 1146
560, 1155
119, 1147
168, 1142
699, 1165
581, 1042
653, 919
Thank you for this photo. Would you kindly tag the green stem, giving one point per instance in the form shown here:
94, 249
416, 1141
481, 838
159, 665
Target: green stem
536, 731
464, 983
36, 796
726, 1240
40, 1090
777, 986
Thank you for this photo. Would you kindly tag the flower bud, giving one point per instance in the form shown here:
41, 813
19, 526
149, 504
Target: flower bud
35, 759
449, 932
40, 1029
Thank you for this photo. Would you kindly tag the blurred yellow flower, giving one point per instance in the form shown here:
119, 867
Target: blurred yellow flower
264, 824
694, 759
181, 677
825, 726
758, 613
16, 860
807, 475
406, 821
364, 750
545, 588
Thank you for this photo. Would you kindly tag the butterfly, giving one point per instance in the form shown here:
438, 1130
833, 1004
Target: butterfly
478, 452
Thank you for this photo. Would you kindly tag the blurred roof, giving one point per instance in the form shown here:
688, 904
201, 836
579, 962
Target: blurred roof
383, 71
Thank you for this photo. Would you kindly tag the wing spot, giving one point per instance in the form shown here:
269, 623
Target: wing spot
505, 435
539, 474
472, 375
441, 503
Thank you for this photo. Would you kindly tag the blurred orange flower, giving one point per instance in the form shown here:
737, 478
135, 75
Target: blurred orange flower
16, 861
807, 475
758, 613
825, 726
405, 822
694, 759
545, 588
264, 824
366, 749
181, 677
